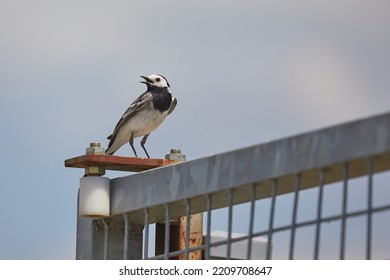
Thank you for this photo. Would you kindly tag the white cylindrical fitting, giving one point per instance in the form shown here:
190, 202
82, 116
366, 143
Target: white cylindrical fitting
94, 196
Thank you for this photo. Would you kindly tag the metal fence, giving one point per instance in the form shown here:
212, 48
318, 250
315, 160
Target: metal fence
319, 195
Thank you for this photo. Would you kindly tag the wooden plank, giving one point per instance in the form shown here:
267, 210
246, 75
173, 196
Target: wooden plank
109, 162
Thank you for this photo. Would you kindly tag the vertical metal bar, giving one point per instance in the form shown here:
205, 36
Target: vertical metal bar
319, 214
146, 240
271, 218
294, 215
126, 236
208, 230
167, 231
370, 168
105, 245
188, 228
344, 211
251, 222
230, 225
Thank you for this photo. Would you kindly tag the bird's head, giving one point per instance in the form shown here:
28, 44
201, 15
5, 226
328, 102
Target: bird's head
156, 81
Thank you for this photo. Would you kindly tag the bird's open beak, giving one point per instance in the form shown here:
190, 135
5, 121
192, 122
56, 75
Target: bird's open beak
147, 80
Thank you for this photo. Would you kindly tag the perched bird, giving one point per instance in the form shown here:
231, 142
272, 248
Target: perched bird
144, 115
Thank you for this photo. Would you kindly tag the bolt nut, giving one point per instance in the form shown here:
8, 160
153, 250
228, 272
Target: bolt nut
95, 149
175, 155
95, 171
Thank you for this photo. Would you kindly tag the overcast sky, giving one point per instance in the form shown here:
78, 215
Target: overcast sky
244, 72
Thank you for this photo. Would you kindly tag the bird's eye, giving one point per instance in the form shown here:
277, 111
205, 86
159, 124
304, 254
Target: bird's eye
158, 79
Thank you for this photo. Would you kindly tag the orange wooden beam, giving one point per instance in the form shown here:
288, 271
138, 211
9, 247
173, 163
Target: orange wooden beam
109, 162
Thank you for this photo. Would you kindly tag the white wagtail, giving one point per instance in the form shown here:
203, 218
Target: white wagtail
144, 115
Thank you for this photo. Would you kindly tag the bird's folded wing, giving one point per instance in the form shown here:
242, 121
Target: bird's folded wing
137, 105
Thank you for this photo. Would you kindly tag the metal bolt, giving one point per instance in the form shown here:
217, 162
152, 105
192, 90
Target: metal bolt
95, 144
175, 151
95, 149
175, 155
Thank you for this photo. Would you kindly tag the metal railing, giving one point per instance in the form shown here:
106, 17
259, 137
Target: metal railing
317, 195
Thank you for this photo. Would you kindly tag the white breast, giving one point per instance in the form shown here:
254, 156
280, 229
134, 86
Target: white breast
142, 123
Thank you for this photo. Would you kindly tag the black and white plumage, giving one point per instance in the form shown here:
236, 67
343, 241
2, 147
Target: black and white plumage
144, 115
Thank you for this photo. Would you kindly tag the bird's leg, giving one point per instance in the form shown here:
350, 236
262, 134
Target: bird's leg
131, 144
143, 143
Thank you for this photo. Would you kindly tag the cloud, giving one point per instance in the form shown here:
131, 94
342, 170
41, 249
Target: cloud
321, 77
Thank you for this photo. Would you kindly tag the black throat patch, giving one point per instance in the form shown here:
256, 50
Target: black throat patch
162, 99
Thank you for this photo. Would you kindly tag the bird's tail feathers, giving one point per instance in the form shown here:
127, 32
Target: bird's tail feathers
111, 147
109, 152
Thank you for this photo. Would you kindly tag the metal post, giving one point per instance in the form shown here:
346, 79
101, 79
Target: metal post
251, 223
319, 214
146, 234
344, 210
230, 224
175, 156
208, 226
271, 218
126, 238
111, 238
294, 215
370, 166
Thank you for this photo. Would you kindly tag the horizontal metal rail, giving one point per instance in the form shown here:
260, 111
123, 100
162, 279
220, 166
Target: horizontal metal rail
256, 166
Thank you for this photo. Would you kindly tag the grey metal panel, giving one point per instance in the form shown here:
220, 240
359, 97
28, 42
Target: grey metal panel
115, 240
84, 238
305, 154
90, 239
